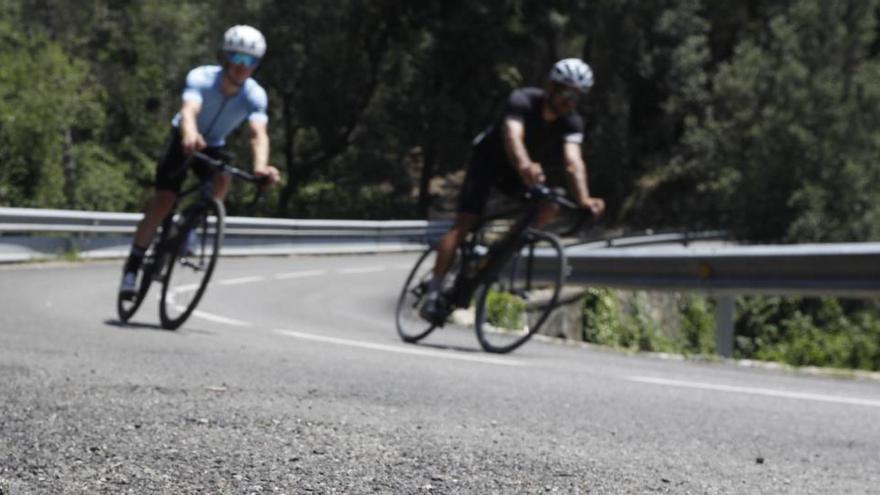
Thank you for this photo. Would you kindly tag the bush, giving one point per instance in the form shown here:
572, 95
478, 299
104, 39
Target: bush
627, 324
505, 310
698, 325
809, 332
824, 332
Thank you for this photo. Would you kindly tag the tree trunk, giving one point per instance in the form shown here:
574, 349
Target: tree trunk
289, 159
68, 166
430, 155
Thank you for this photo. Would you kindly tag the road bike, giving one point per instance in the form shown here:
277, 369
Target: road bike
183, 255
512, 280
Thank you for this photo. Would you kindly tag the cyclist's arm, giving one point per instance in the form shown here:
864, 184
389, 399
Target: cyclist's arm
260, 149
191, 139
259, 144
515, 147
576, 170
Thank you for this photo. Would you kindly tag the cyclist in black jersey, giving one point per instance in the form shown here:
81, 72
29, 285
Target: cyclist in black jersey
539, 135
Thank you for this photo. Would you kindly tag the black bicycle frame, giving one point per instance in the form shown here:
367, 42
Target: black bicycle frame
496, 258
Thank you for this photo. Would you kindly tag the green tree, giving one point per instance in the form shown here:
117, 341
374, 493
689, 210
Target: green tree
784, 148
50, 109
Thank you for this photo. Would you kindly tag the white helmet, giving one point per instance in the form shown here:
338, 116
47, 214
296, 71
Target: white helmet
244, 39
574, 73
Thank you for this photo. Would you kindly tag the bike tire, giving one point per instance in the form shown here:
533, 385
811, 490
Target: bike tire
513, 304
191, 272
126, 308
410, 326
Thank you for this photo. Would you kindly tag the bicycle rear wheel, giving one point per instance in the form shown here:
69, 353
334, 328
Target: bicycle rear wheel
192, 262
513, 304
410, 326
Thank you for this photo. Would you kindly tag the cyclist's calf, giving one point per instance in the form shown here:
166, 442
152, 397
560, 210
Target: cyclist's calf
157, 209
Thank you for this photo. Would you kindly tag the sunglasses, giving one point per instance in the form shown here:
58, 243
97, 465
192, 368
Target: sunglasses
569, 94
244, 59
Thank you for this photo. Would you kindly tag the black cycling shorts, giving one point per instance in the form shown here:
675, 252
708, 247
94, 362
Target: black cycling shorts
484, 173
171, 172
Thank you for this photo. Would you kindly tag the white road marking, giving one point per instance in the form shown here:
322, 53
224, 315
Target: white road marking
220, 319
362, 269
401, 266
400, 349
242, 280
308, 273
185, 288
203, 315
758, 391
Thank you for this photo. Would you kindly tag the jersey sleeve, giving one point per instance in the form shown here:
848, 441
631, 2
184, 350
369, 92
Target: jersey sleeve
573, 129
259, 103
195, 82
517, 105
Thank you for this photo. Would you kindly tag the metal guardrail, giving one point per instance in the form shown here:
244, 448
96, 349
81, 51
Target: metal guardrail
32, 234
842, 270
662, 263
845, 270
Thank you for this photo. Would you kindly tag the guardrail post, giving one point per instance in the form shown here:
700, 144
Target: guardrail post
725, 308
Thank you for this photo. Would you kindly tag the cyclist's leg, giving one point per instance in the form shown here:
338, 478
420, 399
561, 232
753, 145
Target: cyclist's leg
157, 209
471, 204
169, 177
432, 310
465, 223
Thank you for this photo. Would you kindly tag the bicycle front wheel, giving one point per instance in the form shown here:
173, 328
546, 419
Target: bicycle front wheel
191, 263
513, 304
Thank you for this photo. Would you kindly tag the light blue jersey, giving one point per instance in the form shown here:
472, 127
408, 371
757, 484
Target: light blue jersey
220, 115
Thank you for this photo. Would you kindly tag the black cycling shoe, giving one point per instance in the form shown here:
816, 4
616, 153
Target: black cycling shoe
434, 312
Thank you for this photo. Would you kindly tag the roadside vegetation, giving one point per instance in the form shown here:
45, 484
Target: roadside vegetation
824, 332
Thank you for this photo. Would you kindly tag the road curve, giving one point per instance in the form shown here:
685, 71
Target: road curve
291, 379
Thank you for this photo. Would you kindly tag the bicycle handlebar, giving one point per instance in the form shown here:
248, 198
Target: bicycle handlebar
223, 166
558, 196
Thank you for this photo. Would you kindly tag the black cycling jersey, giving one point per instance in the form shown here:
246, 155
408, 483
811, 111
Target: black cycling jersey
544, 140
490, 165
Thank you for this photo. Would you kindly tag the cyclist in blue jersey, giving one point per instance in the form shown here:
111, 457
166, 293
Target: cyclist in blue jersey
538, 137
216, 100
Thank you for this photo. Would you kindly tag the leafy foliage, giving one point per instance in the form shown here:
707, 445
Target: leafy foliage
759, 118
809, 332
630, 323
505, 310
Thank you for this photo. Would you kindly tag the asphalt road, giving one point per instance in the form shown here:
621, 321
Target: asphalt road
291, 379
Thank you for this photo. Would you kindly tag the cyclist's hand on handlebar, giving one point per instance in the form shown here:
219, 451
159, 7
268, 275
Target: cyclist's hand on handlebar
191, 143
532, 174
269, 174
596, 206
